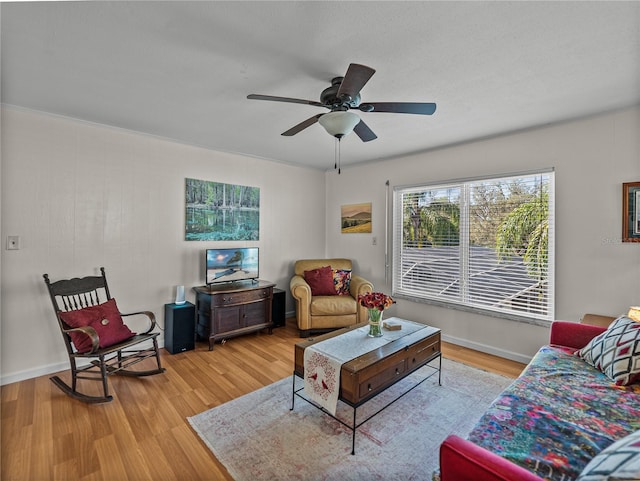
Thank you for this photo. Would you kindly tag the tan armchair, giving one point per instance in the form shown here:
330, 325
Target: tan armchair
324, 313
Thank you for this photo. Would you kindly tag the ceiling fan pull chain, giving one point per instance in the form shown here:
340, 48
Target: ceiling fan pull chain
339, 139
335, 153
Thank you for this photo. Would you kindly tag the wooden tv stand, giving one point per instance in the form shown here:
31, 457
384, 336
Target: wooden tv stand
227, 310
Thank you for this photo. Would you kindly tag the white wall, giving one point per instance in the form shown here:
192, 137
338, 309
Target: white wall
595, 271
81, 196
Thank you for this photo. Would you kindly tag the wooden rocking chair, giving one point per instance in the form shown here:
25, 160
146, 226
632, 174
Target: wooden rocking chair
93, 330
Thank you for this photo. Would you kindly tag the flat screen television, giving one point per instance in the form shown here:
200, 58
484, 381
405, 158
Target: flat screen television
232, 265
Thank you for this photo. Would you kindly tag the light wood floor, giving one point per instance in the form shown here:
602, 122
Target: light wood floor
143, 433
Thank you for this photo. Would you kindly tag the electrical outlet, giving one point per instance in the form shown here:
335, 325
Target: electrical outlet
13, 242
375, 241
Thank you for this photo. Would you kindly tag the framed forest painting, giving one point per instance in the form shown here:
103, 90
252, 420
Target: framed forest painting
215, 211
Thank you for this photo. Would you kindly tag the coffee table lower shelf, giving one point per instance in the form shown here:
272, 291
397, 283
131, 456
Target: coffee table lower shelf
355, 425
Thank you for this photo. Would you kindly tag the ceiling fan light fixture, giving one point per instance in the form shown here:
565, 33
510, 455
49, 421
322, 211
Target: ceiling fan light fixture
339, 123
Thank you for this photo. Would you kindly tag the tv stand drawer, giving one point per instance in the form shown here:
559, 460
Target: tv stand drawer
238, 298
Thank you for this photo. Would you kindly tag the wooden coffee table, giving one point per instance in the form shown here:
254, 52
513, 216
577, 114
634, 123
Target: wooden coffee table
368, 375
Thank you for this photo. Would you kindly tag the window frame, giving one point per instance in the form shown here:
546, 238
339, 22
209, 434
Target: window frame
397, 237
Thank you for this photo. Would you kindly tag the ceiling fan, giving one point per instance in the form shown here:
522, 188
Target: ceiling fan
342, 96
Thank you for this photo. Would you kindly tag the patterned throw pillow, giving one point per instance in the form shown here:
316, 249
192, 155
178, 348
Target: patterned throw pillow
342, 281
620, 461
616, 352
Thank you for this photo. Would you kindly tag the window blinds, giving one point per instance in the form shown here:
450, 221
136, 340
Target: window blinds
481, 244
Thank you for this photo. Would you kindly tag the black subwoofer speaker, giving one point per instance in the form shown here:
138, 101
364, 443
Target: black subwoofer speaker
278, 307
179, 327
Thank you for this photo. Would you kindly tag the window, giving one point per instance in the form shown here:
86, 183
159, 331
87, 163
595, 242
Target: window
481, 244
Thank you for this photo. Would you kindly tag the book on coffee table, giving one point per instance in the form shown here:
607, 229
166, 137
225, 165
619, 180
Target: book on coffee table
392, 325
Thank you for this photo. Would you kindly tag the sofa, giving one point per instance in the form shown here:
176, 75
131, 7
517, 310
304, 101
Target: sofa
563, 419
329, 310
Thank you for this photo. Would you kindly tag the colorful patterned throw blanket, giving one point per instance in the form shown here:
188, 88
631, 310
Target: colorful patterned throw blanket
558, 415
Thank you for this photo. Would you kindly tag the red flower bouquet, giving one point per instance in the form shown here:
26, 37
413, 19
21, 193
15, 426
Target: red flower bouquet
375, 302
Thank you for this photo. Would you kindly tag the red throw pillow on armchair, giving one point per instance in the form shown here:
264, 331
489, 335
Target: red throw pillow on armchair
104, 318
321, 281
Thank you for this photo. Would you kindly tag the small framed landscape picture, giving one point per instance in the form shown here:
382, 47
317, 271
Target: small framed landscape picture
355, 218
631, 212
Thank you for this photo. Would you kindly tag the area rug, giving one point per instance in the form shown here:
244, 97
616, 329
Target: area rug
257, 436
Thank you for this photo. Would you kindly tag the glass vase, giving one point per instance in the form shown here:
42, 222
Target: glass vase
375, 323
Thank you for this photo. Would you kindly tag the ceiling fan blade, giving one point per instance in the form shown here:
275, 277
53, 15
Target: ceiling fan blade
363, 131
399, 107
284, 99
302, 125
356, 77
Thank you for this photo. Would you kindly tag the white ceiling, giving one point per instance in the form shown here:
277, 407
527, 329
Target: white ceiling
182, 70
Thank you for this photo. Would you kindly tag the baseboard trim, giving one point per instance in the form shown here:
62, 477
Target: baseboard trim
513, 356
50, 369
31, 373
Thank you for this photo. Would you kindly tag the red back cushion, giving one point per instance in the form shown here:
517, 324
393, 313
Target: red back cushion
321, 281
104, 318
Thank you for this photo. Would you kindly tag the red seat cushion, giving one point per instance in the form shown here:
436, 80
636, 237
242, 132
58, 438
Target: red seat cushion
104, 318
